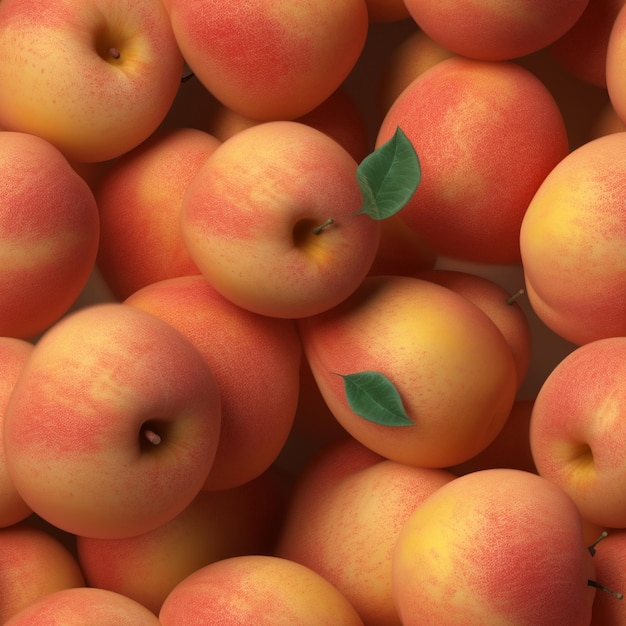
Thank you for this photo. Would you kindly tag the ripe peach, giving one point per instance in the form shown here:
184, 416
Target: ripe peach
425, 338
33, 564
257, 589
573, 243
577, 434
270, 60
251, 214
216, 525
487, 134
343, 525
121, 413
255, 360
495, 302
139, 200
87, 606
614, 63
473, 552
495, 30
49, 234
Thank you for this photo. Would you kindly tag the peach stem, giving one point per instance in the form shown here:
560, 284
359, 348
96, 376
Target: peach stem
593, 583
114, 52
592, 547
152, 437
515, 296
318, 229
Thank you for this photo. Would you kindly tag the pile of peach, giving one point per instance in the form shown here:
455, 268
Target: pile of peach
229, 394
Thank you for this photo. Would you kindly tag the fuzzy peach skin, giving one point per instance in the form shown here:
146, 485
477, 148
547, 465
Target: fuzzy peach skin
583, 48
93, 77
139, 200
250, 214
33, 564
615, 64
573, 243
452, 367
270, 60
257, 589
496, 303
256, 362
495, 30
81, 425
498, 546
344, 526
487, 134
577, 432
13, 355
86, 606
216, 525
49, 234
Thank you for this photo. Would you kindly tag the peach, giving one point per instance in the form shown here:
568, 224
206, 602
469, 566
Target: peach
49, 234
271, 220
343, 525
33, 564
139, 201
487, 134
121, 413
497, 304
270, 60
614, 63
425, 339
482, 550
95, 78
496, 30
577, 434
257, 589
13, 355
255, 360
86, 606
216, 525
573, 243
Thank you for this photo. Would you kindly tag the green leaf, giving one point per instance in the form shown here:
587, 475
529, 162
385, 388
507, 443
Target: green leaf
388, 177
372, 396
